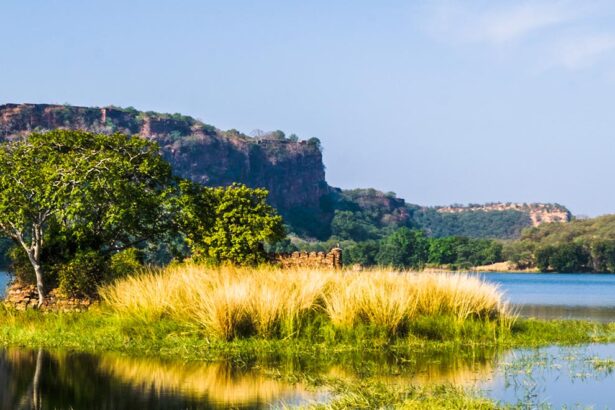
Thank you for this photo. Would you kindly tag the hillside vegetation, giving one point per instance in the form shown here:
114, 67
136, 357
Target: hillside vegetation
578, 246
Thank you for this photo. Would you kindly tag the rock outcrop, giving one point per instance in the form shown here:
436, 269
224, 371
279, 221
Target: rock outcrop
291, 170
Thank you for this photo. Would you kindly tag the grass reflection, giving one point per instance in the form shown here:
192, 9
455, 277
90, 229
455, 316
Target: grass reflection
221, 383
40, 379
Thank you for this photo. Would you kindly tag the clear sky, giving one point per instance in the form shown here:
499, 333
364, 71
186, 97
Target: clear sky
441, 102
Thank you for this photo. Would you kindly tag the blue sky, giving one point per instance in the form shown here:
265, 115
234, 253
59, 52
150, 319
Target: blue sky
441, 102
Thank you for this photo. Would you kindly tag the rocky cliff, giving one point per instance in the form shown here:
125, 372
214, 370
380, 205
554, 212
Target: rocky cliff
291, 170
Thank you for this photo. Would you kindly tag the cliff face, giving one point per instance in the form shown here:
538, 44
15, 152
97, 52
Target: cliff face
292, 171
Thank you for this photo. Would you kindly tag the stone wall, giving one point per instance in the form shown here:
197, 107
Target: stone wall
331, 260
22, 297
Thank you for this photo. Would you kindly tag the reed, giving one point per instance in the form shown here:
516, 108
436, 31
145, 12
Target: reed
228, 302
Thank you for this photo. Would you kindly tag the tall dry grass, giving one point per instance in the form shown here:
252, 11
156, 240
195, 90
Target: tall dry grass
228, 302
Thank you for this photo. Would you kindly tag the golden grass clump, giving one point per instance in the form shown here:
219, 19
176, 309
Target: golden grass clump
228, 301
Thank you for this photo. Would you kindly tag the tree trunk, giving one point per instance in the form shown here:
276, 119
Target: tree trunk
37, 402
38, 270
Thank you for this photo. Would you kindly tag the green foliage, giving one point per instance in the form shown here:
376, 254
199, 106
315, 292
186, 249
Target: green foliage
85, 271
577, 246
407, 248
82, 275
353, 225
21, 268
315, 142
230, 224
282, 246
362, 253
567, 257
603, 255
404, 248
521, 253
464, 252
473, 224
307, 222
124, 263
68, 193
5, 245
367, 214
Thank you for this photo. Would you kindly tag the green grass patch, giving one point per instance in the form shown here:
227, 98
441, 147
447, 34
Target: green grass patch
368, 353
99, 330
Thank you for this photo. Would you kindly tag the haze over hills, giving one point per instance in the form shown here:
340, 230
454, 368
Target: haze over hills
291, 169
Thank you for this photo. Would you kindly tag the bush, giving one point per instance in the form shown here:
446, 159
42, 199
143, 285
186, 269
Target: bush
82, 275
124, 263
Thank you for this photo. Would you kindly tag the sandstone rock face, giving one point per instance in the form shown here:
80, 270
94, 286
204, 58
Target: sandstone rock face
538, 213
292, 171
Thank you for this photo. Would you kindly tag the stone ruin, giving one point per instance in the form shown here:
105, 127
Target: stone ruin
21, 297
330, 260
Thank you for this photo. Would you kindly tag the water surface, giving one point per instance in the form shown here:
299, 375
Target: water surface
4, 280
561, 377
558, 376
559, 295
59, 380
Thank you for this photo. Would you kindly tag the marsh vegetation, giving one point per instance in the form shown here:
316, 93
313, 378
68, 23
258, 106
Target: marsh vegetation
227, 302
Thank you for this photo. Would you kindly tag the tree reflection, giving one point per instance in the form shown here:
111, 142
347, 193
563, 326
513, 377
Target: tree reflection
49, 380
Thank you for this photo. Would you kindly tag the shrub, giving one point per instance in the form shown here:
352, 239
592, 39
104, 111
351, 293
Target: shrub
82, 275
124, 263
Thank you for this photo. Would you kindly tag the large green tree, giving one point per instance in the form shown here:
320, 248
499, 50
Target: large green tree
98, 192
404, 248
228, 224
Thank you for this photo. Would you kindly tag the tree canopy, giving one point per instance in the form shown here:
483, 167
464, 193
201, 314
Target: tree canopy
228, 224
96, 192
78, 204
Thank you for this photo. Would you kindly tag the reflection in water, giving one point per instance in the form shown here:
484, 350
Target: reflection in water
602, 314
456, 366
44, 380
531, 377
219, 383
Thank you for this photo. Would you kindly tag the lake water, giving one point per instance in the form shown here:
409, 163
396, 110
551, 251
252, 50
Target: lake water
4, 280
559, 376
62, 380
559, 296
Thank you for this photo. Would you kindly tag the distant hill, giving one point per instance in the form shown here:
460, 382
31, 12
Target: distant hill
493, 220
291, 169
538, 213
602, 227
371, 214
586, 245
